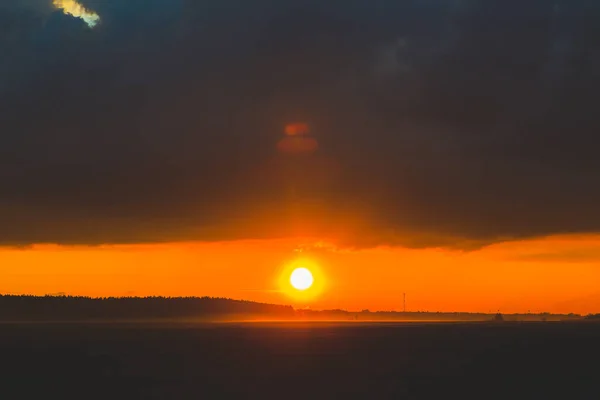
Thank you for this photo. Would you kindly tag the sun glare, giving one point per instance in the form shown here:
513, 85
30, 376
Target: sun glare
301, 279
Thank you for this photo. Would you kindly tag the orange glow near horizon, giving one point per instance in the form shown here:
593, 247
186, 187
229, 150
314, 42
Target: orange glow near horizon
555, 274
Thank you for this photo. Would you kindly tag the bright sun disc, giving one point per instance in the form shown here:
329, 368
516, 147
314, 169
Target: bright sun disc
301, 279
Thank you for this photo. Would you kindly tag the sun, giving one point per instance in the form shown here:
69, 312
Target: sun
301, 279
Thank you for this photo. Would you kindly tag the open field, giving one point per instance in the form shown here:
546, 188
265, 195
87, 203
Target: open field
299, 360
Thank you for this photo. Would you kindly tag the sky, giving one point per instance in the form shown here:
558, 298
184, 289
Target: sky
450, 150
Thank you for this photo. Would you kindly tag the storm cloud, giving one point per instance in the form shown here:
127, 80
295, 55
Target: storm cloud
439, 123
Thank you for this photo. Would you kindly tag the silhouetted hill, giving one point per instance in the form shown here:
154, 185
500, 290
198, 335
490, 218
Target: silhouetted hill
67, 308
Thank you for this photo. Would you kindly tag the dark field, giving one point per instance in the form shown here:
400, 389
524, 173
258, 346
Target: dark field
300, 360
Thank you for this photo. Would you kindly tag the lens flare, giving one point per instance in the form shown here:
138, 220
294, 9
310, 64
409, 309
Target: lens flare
298, 128
73, 8
297, 140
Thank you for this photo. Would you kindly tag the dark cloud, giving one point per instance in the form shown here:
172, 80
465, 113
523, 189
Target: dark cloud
451, 123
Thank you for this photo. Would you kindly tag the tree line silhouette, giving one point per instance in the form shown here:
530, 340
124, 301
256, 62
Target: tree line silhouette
67, 308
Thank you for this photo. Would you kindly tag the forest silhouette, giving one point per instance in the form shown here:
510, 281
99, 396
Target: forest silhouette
71, 308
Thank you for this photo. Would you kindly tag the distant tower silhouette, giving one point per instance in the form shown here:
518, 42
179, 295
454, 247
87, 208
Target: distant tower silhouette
498, 317
404, 298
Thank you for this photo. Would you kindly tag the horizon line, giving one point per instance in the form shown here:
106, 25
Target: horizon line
363, 311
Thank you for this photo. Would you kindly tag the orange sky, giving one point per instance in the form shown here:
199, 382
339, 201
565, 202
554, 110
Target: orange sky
554, 274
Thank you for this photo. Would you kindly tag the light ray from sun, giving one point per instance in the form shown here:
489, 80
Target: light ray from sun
72, 7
